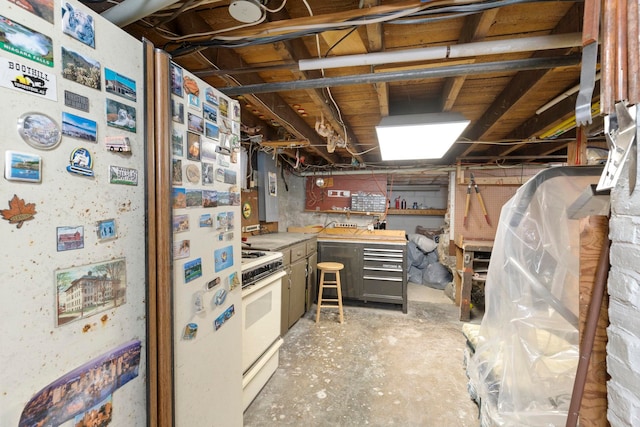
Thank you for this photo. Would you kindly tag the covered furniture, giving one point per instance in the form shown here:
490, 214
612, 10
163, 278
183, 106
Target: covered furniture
522, 359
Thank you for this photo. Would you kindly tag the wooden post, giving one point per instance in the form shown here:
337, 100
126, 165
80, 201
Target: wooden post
593, 409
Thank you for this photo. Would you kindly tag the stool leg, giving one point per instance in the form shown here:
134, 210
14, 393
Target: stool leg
339, 296
320, 288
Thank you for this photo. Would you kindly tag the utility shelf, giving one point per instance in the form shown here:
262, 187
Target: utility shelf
425, 212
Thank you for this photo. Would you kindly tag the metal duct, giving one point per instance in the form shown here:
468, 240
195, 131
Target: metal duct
490, 47
394, 76
130, 11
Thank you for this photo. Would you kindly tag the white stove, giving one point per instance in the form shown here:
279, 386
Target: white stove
256, 265
262, 273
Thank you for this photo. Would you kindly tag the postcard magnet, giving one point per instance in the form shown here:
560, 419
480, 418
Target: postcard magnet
80, 162
198, 302
69, 238
22, 167
190, 331
18, 211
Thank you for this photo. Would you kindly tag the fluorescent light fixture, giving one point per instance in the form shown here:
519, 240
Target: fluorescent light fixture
419, 136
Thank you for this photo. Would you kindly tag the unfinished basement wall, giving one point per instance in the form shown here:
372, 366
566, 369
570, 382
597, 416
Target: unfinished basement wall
623, 348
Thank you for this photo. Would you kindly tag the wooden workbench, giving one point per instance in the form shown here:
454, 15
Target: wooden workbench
467, 263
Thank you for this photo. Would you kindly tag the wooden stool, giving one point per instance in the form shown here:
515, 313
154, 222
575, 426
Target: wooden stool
330, 267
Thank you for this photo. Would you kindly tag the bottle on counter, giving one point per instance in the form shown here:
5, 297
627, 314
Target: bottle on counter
398, 202
403, 204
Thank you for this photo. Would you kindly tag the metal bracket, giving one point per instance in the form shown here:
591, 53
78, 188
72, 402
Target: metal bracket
620, 131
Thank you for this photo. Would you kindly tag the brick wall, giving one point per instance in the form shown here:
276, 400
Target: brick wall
623, 348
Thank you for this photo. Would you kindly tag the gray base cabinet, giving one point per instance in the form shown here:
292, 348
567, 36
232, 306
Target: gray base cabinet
374, 272
300, 262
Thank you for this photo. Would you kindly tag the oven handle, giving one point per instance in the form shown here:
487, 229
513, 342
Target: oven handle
248, 290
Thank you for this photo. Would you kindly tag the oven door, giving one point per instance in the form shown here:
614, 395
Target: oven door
260, 317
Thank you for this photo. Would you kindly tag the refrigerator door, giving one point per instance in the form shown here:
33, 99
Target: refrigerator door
72, 217
207, 333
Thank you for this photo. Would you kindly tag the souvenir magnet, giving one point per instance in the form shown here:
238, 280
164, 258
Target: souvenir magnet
76, 101
22, 167
190, 331
121, 144
81, 69
220, 296
198, 302
193, 174
192, 270
39, 131
120, 85
206, 220
69, 238
78, 24
181, 249
18, 211
81, 162
180, 223
107, 229
125, 176
234, 280
79, 127
212, 283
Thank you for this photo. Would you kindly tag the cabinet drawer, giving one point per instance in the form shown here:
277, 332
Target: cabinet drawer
286, 256
312, 246
298, 251
386, 272
382, 288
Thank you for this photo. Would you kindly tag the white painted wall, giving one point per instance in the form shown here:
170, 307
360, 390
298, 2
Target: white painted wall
623, 349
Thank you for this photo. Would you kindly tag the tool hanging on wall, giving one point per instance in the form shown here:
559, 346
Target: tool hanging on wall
472, 181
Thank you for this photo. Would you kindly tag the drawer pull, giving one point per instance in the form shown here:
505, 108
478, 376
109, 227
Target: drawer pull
385, 279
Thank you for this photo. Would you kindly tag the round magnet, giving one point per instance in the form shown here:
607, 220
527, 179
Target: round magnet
39, 131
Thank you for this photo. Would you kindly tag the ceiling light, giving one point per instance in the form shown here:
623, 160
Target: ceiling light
419, 136
247, 11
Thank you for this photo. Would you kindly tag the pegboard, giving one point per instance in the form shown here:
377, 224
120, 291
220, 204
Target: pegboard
494, 197
337, 191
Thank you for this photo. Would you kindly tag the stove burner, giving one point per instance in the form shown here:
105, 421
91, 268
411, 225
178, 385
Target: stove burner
252, 254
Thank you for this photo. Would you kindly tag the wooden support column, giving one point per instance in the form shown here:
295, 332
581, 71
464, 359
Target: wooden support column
593, 410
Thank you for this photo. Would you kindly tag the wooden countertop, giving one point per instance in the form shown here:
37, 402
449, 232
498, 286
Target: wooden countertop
357, 234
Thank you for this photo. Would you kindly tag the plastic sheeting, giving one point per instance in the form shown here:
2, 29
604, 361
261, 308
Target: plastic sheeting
525, 361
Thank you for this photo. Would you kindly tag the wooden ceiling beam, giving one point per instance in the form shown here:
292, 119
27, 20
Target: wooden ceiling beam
520, 84
376, 44
225, 58
294, 50
475, 27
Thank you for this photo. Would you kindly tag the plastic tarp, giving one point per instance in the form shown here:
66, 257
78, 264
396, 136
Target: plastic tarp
525, 361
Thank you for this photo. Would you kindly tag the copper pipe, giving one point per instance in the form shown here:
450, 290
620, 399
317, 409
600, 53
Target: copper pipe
633, 54
586, 346
621, 51
608, 57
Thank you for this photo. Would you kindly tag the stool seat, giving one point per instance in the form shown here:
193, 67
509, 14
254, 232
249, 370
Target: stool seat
331, 268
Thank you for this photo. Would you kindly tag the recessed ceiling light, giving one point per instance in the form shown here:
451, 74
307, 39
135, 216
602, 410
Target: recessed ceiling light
419, 136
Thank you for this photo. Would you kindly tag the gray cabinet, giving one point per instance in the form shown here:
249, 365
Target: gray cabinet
374, 272
349, 254
298, 285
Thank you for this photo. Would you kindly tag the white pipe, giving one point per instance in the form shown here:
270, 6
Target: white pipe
130, 11
562, 96
492, 47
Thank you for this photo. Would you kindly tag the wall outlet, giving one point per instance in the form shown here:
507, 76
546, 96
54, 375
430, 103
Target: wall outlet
345, 225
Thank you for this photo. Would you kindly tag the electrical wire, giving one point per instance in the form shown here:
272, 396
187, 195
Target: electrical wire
263, 7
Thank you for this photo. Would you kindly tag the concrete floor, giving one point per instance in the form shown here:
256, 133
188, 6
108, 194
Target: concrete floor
381, 367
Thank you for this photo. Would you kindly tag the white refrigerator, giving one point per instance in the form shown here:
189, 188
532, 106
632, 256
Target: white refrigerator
72, 218
205, 226
81, 207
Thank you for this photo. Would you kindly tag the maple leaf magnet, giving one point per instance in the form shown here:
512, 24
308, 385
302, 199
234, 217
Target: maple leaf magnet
18, 211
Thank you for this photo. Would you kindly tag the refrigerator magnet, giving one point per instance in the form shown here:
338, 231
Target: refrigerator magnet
191, 86
39, 131
206, 220
190, 331
192, 270
220, 296
121, 144
81, 69
210, 96
198, 302
121, 116
80, 162
79, 127
22, 167
176, 80
209, 198
220, 320
124, 176
194, 102
193, 174
212, 284
234, 281
78, 24
69, 238
181, 249
18, 211
107, 229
